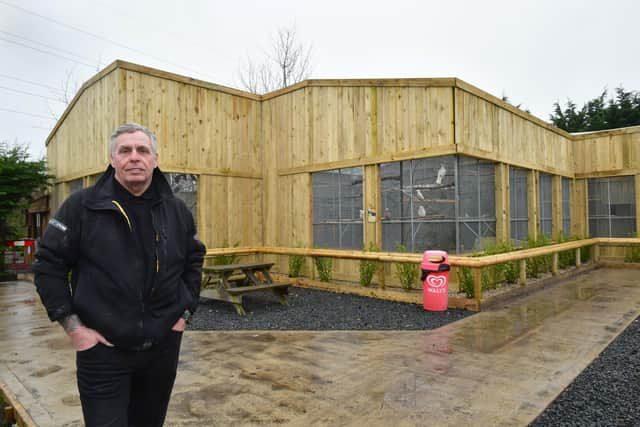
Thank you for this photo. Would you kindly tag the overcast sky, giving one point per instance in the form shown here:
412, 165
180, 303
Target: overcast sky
534, 52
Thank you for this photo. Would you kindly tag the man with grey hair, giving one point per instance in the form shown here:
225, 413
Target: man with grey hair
120, 267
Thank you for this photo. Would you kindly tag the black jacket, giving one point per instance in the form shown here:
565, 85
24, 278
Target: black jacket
87, 263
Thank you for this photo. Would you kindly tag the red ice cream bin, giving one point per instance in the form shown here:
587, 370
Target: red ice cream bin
435, 280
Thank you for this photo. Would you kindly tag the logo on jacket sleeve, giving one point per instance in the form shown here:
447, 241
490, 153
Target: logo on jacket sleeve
57, 224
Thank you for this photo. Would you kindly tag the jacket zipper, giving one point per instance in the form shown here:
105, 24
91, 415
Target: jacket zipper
155, 228
122, 211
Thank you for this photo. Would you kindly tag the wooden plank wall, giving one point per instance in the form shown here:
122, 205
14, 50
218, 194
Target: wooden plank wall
210, 133
607, 153
489, 129
80, 145
200, 129
322, 127
255, 155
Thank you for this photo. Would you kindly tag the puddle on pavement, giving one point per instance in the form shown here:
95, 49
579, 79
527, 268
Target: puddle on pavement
491, 331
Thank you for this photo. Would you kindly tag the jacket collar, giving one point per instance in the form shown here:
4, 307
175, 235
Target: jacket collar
103, 192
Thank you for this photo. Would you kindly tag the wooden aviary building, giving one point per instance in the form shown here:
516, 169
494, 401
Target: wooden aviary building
345, 164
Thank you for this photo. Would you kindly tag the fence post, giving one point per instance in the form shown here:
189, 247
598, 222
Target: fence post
554, 263
578, 258
523, 272
596, 253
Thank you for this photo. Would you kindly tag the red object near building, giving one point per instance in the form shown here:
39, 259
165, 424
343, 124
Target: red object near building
435, 280
19, 254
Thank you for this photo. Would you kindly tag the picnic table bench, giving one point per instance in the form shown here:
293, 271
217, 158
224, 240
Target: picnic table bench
231, 281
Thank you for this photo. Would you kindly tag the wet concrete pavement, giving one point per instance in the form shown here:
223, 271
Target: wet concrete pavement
499, 367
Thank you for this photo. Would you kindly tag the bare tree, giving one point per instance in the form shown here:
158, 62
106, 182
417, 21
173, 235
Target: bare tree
69, 86
288, 62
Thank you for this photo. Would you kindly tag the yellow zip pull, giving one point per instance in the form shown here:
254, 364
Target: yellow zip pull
157, 258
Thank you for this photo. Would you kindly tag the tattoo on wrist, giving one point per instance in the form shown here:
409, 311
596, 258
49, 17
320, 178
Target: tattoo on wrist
71, 323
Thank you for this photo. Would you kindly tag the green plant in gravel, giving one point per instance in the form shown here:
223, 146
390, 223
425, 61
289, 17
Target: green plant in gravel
465, 279
511, 272
494, 275
295, 265
407, 273
540, 264
368, 267
566, 258
228, 258
324, 265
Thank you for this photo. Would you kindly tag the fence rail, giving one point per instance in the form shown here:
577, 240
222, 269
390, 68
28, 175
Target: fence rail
476, 264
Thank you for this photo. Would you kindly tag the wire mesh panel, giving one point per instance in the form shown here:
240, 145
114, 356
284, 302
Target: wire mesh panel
566, 207
337, 209
477, 204
443, 203
545, 203
185, 187
419, 204
518, 205
612, 207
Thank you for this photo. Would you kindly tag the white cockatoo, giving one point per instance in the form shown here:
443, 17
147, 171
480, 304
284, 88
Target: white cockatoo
421, 211
441, 173
419, 194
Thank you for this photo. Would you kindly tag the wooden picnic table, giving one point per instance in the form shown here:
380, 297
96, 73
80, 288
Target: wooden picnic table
231, 281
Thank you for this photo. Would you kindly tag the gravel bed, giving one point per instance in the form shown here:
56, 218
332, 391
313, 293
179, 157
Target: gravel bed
316, 310
606, 393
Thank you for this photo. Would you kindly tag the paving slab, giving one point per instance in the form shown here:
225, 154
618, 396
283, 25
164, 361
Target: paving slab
498, 367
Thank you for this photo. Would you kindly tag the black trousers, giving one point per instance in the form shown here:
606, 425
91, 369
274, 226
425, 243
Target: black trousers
123, 388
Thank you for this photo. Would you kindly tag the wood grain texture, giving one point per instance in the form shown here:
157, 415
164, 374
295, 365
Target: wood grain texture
255, 155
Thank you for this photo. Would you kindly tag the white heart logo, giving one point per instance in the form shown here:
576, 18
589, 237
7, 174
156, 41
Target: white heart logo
436, 281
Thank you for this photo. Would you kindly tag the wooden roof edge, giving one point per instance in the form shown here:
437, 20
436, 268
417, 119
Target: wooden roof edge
367, 82
581, 136
425, 82
130, 66
371, 82
467, 87
101, 74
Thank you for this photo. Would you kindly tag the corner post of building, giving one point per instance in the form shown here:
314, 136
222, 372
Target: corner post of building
579, 211
502, 202
372, 205
532, 204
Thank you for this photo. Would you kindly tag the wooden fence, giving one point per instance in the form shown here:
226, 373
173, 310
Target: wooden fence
476, 264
